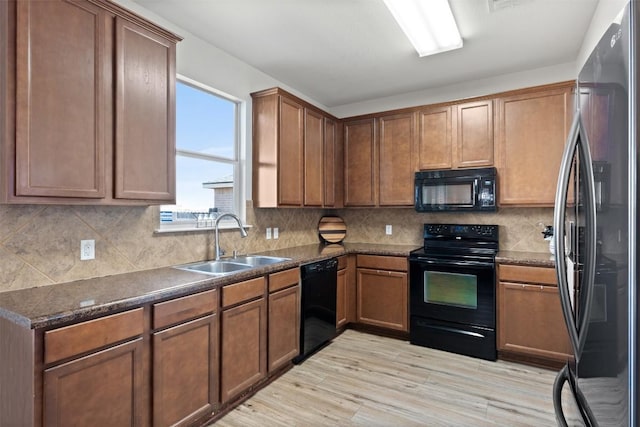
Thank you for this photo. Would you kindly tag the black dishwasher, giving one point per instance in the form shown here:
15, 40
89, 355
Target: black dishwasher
318, 306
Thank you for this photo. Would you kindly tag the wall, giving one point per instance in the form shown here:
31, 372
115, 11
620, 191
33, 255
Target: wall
605, 13
40, 245
540, 76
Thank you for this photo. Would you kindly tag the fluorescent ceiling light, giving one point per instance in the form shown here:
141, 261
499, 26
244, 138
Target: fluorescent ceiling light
428, 24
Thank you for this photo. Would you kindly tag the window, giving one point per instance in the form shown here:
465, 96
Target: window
207, 151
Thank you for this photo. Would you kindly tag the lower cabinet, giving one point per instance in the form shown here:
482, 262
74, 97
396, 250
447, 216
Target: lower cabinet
103, 389
341, 302
383, 292
243, 337
185, 359
284, 317
530, 320
95, 373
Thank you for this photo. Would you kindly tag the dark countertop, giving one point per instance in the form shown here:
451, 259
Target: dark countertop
534, 259
47, 306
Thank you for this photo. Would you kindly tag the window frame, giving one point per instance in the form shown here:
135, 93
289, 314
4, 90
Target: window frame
237, 162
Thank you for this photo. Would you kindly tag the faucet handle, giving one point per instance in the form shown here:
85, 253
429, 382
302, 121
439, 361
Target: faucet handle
222, 252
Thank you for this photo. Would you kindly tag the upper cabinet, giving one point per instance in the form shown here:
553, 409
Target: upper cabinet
456, 136
380, 160
473, 136
88, 105
296, 153
360, 163
397, 159
532, 127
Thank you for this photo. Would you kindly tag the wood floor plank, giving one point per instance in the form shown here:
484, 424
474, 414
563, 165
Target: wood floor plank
368, 380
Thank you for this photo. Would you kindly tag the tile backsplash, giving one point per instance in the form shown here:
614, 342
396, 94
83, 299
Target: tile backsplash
40, 245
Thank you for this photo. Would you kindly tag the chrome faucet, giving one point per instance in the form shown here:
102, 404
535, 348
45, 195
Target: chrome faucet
243, 232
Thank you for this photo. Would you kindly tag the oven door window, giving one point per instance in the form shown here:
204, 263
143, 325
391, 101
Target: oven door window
454, 289
450, 194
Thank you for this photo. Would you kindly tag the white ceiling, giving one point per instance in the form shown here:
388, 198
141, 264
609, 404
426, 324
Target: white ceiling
340, 52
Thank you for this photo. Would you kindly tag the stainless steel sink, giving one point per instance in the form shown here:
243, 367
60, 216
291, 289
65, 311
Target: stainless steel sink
258, 260
231, 265
216, 268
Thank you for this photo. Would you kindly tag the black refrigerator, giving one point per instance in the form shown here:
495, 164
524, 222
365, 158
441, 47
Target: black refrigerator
595, 223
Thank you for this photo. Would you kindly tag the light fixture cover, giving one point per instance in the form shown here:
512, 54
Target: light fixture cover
428, 24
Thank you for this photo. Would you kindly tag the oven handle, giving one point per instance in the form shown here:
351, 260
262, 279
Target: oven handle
444, 262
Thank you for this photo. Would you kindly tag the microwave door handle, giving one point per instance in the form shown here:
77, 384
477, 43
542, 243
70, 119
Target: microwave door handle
559, 231
476, 196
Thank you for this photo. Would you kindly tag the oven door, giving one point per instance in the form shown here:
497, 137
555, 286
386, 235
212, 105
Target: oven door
459, 291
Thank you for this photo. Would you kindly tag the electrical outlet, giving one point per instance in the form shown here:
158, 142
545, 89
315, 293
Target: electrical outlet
87, 249
268, 233
389, 230
276, 233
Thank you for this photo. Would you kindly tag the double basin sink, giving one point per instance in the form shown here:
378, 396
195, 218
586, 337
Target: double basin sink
231, 265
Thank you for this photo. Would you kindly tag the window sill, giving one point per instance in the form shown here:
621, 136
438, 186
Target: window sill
190, 228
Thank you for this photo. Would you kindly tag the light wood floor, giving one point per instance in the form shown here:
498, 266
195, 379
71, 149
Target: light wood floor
367, 380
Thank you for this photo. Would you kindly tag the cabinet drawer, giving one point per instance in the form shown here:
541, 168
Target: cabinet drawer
342, 262
521, 273
382, 262
243, 291
284, 279
185, 308
86, 336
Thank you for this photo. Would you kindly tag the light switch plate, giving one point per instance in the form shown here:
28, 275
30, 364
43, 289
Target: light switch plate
389, 230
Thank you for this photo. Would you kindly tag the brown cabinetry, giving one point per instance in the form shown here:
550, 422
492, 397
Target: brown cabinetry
473, 141
456, 136
284, 317
530, 322
89, 86
346, 290
380, 160
185, 359
397, 161
117, 367
434, 137
531, 131
292, 144
382, 292
360, 163
243, 339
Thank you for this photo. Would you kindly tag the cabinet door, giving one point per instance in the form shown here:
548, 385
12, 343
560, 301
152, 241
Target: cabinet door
360, 163
185, 372
63, 92
144, 114
530, 321
474, 134
243, 347
313, 158
532, 130
332, 165
290, 153
434, 138
116, 383
382, 299
284, 326
341, 302
397, 160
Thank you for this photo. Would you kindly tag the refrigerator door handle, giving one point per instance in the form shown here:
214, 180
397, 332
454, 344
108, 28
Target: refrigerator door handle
576, 142
590, 240
559, 231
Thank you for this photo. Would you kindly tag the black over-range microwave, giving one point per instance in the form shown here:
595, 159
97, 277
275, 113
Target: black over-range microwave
456, 190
